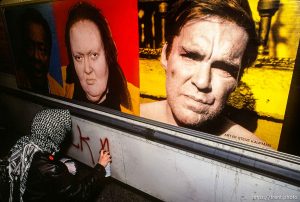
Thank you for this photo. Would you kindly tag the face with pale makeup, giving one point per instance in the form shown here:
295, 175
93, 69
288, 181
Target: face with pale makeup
202, 69
89, 59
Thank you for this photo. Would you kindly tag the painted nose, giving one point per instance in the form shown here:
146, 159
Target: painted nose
37, 53
87, 66
202, 78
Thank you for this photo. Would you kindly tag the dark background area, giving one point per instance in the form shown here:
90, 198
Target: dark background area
290, 135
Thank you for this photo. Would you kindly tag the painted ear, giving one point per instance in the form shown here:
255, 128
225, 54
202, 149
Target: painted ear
163, 58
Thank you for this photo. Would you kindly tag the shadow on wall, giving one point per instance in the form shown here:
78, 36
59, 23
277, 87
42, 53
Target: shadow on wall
15, 120
241, 107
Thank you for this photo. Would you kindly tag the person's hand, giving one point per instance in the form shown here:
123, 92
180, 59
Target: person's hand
104, 158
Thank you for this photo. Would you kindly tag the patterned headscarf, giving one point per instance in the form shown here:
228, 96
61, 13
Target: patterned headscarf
48, 130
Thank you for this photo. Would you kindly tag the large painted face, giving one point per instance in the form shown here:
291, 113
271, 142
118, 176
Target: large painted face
202, 69
89, 59
36, 51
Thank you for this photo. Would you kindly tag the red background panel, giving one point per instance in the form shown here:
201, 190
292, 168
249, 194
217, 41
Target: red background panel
122, 17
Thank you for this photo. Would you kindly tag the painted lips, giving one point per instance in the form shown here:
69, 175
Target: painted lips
90, 81
207, 100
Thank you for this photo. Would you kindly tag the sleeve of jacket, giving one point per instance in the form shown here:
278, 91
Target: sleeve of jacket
51, 180
85, 184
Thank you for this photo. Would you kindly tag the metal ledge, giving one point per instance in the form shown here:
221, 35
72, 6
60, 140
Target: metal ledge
138, 126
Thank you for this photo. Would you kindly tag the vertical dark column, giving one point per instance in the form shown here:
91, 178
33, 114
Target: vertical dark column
6, 59
290, 136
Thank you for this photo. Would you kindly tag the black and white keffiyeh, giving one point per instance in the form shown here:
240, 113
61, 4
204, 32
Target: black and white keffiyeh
48, 130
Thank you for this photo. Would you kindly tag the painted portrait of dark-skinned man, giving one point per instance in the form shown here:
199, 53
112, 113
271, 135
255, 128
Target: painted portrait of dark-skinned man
33, 38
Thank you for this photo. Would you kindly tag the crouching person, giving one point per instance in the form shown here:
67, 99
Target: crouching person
36, 174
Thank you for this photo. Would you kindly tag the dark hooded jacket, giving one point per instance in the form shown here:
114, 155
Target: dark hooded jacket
50, 180
36, 174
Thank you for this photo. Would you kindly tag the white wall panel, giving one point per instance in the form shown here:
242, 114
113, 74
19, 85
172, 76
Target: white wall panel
171, 174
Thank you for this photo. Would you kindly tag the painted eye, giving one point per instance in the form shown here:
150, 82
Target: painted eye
94, 56
226, 72
192, 56
226, 69
222, 72
42, 49
78, 58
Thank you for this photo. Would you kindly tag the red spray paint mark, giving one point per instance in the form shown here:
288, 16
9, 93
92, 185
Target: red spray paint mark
103, 144
80, 146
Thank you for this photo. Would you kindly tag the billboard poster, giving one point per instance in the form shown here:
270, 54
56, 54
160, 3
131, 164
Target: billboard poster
117, 23
174, 86
96, 62
33, 39
132, 66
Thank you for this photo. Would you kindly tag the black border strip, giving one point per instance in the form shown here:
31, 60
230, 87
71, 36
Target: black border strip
77, 108
251, 164
22, 3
